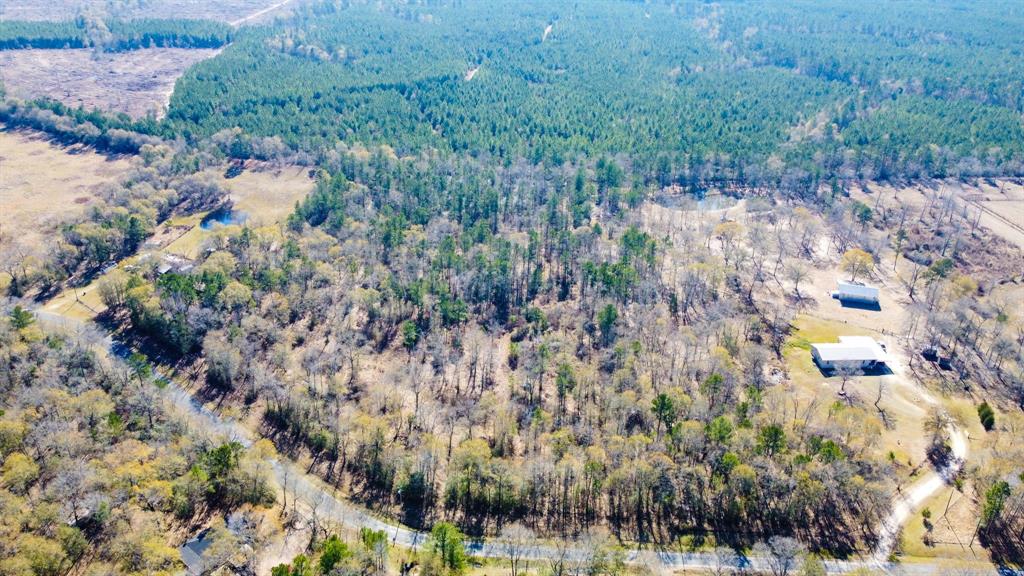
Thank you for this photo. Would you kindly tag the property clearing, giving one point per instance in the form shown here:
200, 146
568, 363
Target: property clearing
998, 204
262, 194
137, 83
899, 437
267, 194
43, 185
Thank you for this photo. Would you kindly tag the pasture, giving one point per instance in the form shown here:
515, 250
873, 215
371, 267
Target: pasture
43, 185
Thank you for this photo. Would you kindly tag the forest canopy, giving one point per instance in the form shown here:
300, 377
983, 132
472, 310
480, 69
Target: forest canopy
875, 89
113, 35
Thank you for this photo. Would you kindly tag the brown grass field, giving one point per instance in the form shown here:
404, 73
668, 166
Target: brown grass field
223, 10
136, 82
42, 184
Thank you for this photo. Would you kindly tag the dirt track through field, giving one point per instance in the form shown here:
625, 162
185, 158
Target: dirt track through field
259, 13
906, 503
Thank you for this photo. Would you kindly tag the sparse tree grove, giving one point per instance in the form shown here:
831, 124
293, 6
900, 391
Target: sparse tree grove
552, 299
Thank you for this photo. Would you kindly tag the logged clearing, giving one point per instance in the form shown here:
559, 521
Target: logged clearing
224, 10
42, 185
136, 82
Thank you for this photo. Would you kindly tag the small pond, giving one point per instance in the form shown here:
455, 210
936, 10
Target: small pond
222, 217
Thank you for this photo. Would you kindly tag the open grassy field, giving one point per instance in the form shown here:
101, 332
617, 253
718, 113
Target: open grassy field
265, 195
226, 10
136, 83
42, 184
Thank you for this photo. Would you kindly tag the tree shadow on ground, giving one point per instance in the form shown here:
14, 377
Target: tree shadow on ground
1004, 543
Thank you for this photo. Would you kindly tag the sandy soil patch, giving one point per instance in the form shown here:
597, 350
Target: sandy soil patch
42, 185
282, 549
888, 320
136, 83
223, 10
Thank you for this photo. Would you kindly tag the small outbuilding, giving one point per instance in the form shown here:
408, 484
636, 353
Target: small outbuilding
859, 293
850, 353
192, 553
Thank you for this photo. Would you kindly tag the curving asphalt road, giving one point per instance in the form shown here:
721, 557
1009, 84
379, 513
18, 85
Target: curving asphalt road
329, 506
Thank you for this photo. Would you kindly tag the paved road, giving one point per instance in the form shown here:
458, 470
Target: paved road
315, 492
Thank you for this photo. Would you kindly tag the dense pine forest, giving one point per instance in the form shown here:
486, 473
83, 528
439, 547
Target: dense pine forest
746, 93
730, 91
113, 35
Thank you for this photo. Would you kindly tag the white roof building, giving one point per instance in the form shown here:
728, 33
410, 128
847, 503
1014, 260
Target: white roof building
857, 292
854, 352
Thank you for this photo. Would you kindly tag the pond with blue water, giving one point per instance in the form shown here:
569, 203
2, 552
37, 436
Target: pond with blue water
222, 217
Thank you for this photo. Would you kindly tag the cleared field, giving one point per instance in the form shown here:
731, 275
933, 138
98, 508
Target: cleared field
266, 194
42, 185
1002, 210
262, 194
226, 11
821, 281
136, 82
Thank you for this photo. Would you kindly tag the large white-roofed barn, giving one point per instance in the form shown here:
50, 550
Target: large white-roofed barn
850, 353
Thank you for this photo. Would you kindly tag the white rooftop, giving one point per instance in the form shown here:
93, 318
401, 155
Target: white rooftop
851, 348
857, 289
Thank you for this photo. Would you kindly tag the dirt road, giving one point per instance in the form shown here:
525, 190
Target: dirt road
259, 13
909, 501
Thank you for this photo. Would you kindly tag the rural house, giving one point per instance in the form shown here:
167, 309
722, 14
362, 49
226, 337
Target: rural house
851, 353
